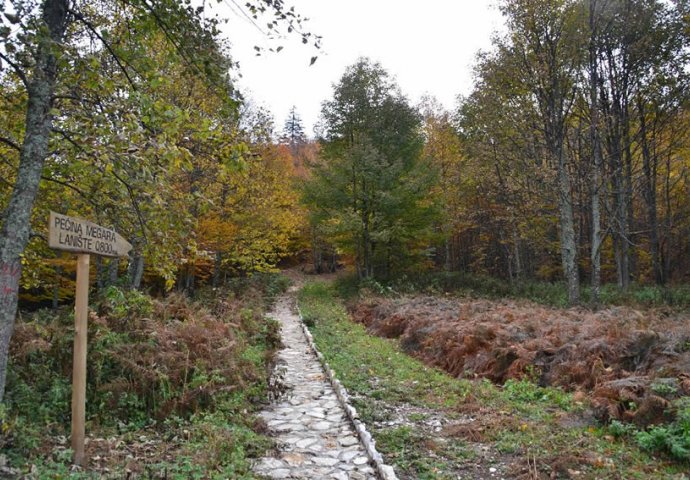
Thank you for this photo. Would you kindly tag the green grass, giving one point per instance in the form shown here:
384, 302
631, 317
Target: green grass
379, 367
408, 449
521, 420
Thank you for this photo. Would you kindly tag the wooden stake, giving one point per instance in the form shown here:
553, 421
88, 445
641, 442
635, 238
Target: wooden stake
81, 308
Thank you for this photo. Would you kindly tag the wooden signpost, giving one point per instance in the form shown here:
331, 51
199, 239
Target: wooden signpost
83, 238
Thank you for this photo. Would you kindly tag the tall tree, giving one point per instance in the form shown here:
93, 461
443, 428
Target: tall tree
597, 161
293, 131
43, 39
544, 37
442, 149
369, 191
39, 80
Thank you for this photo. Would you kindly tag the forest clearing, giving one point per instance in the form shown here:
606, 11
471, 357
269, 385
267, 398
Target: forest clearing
493, 286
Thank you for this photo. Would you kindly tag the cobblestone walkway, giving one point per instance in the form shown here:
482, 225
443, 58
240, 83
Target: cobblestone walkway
315, 440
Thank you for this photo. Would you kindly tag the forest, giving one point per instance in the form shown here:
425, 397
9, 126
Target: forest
563, 177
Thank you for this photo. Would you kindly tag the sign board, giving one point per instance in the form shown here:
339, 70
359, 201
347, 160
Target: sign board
81, 236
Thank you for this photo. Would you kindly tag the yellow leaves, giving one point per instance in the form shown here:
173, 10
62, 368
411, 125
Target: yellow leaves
252, 214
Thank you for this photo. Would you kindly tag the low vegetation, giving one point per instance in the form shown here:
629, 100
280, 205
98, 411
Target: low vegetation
554, 294
431, 425
172, 384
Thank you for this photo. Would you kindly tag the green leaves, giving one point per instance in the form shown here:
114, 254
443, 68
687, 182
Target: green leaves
369, 194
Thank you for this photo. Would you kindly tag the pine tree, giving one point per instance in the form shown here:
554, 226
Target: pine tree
293, 132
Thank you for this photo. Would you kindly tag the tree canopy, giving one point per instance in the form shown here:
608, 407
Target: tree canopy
369, 193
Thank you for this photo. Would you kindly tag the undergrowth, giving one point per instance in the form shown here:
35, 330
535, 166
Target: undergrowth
188, 372
547, 293
527, 427
672, 439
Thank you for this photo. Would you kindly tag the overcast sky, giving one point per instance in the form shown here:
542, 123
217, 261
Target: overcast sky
428, 46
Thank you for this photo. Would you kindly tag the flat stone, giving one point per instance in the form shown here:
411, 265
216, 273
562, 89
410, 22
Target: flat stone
325, 461
347, 456
348, 441
270, 463
360, 460
305, 442
280, 473
322, 425
293, 459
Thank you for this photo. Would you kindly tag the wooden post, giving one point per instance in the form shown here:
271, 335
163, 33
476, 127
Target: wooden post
71, 234
81, 308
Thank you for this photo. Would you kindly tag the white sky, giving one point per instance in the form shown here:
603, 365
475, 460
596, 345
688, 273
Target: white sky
428, 46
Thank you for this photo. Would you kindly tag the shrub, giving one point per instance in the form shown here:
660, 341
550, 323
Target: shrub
148, 360
672, 439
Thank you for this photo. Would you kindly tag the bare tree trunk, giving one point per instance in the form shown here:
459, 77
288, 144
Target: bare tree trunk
366, 247
217, 264
567, 233
135, 270
620, 220
649, 169
630, 253
447, 264
16, 228
668, 219
595, 255
516, 253
190, 279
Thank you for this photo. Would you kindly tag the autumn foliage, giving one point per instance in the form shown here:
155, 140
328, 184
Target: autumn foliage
619, 355
148, 358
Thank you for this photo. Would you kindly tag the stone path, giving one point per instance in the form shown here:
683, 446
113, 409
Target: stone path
315, 439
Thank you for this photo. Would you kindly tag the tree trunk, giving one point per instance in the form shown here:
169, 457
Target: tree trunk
630, 253
620, 220
189, 279
567, 233
516, 253
217, 264
595, 255
113, 269
100, 274
649, 193
16, 229
135, 270
366, 246
447, 264
668, 219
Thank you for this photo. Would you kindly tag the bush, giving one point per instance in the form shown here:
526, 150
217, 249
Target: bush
148, 360
672, 439
268, 285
